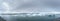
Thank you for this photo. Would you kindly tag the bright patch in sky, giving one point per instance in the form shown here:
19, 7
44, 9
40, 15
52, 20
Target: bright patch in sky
6, 6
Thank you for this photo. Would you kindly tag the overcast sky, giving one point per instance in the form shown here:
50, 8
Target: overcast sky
30, 5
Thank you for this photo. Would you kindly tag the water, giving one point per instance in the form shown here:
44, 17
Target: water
24, 17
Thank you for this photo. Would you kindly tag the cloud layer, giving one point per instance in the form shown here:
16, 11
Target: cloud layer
31, 5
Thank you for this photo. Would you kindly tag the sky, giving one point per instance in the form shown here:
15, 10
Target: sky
33, 6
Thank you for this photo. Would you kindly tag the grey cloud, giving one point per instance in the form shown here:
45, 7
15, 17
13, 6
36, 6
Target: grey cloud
33, 5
